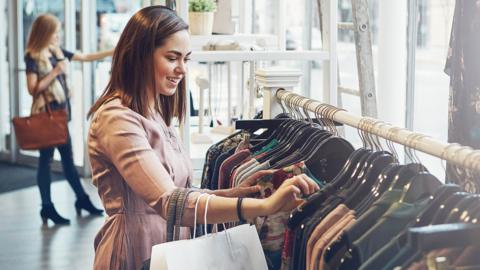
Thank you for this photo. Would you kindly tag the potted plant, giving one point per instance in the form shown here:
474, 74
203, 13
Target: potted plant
200, 16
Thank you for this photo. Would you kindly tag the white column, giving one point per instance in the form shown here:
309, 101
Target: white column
329, 43
392, 60
87, 20
270, 79
281, 26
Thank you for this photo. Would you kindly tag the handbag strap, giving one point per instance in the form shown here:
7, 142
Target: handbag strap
47, 104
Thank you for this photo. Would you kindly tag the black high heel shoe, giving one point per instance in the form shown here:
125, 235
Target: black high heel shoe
49, 212
85, 204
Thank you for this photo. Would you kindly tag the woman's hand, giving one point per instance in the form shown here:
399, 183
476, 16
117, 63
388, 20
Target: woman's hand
60, 68
288, 195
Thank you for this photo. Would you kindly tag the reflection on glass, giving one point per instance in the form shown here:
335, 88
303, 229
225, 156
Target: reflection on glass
112, 16
431, 82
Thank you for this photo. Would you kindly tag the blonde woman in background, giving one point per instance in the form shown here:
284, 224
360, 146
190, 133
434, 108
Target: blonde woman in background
46, 64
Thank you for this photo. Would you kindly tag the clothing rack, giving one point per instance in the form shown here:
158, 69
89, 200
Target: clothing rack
456, 154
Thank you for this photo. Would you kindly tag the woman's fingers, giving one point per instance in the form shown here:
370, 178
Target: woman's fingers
313, 185
304, 183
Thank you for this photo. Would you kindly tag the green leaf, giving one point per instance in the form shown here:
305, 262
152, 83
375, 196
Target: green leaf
202, 5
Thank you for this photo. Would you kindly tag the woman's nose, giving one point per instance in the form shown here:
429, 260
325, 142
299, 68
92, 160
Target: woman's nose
181, 68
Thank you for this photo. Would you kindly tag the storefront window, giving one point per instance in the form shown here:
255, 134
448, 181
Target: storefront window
431, 82
112, 16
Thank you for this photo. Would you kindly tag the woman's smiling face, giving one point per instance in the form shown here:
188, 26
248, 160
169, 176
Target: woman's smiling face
170, 62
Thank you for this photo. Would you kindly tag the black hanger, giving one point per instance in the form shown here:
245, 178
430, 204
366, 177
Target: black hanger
386, 178
285, 138
298, 155
444, 209
346, 180
423, 184
405, 175
312, 203
300, 139
471, 211
328, 158
291, 129
374, 193
275, 134
457, 211
360, 170
474, 216
440, 197
362, 186
440, 236
312, 142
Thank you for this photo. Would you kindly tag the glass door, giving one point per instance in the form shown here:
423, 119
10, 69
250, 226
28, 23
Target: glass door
111, 18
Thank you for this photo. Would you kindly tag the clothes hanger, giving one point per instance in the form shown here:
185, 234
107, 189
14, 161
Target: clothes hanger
313, 202
314, 143
365, 185
299, 154
440, 197
375, 192
287, 136
405, 175
421, 185
423, 219
474, 216
365, 161
327, 158
444, 210
273, 136
372, 170
299, 138
387, 176
456, 212
444, 236
278, 132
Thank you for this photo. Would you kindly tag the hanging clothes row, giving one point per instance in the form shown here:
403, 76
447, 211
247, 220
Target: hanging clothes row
362, 216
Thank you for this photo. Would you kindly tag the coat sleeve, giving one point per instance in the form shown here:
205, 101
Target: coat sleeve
123, 141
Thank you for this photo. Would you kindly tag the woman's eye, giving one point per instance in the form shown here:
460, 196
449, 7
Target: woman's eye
186, 60
171, 59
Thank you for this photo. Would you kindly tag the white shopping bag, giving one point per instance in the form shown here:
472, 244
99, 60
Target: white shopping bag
233, 249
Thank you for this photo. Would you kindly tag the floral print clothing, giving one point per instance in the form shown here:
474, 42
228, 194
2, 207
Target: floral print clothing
463, 64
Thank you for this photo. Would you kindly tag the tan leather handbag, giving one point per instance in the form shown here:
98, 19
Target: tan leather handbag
42, 130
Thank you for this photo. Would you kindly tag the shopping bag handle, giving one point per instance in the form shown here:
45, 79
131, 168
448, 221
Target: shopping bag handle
205, 220
195, 216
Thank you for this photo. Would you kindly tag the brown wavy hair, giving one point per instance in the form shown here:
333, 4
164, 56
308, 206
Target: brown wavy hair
132, 71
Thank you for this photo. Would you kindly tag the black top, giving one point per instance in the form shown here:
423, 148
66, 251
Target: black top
32, 67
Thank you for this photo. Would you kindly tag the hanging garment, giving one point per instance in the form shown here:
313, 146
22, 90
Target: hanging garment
463, 65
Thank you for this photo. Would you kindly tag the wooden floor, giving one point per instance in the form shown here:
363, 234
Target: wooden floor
26, 244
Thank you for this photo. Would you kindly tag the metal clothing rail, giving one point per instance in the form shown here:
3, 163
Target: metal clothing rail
462, 156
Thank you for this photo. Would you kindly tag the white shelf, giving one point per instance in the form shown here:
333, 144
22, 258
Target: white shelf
266, 41
213, 56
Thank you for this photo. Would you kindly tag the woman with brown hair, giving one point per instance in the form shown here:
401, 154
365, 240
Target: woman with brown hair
136, 156
45, 68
